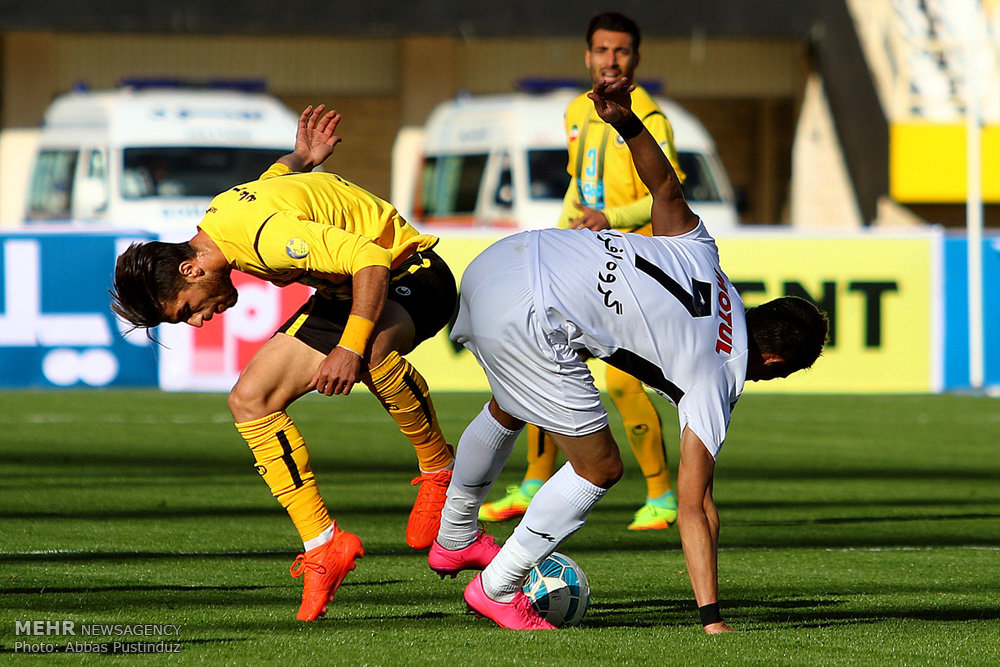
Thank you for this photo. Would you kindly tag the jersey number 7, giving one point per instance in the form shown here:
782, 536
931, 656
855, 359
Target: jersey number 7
698, 302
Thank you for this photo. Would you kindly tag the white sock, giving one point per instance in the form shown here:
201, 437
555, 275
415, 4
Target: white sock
450, 466
503, 578
320, 539
557, 511
482, 452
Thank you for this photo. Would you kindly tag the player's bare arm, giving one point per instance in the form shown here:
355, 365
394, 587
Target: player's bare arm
343, 367
698, 522
670, 214
314, 140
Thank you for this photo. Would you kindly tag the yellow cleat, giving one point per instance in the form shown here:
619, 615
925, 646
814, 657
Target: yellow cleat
656, 514
511, 506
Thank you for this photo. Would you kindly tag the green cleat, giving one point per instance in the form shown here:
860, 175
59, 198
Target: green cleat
656, 514
514, 504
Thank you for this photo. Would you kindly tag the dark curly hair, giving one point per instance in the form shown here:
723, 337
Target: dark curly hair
146, 277
614, 22
791, 327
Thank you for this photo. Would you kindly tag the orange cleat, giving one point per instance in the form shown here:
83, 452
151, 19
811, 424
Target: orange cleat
325, 568
425, 517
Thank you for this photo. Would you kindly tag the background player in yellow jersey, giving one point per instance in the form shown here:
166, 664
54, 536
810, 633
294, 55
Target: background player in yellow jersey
380, 291
606, 192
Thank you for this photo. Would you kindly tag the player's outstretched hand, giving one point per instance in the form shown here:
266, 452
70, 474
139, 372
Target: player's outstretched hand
717, 628
613, 101
315, 138
590, 218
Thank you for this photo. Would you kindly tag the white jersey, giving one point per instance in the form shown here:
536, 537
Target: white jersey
659, 308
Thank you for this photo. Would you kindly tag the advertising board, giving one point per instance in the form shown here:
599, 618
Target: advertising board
56, 326
880, 294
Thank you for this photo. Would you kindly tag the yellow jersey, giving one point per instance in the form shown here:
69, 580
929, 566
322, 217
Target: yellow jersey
313, 228
603, 175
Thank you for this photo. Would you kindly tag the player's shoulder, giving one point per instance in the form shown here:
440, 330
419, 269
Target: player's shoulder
579, 104
695, 249
699, 234
643, 104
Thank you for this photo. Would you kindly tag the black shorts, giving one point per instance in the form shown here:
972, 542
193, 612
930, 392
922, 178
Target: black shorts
423, 285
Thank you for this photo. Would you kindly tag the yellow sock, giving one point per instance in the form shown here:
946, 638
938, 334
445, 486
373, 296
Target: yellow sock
282, 459
642, 428
541, 454
405, 396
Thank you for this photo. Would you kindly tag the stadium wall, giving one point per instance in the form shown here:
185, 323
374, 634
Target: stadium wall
897, 304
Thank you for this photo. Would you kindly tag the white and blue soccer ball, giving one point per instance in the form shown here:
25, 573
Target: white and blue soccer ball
558, 590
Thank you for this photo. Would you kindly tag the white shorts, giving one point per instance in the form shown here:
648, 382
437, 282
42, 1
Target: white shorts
535, 376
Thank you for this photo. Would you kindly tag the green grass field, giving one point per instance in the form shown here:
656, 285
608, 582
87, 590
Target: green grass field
855, 530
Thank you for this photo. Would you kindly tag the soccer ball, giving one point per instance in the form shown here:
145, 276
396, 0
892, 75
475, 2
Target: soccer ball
558, 590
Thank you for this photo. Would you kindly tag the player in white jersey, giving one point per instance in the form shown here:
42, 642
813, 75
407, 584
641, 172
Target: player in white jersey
642, 304
659, 308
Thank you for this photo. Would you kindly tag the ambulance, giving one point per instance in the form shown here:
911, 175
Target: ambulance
151, 157
500, 161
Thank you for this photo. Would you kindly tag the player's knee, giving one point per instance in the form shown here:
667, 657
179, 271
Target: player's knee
688, 505
247, 403
385, 345
394, 333
239, 404
615, 470
603, 473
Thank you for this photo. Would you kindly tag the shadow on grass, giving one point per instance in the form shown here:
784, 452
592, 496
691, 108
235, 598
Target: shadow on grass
657, 612
924, 502
857, 472
775, 614
220, 463
387, 508
350, 463
133, 556
131, 589
748, 537
363, 508
872, 519
805, 617
147, 599
81, 556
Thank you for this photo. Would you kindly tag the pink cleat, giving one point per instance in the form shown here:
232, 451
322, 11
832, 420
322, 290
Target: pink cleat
518, 614
476, 556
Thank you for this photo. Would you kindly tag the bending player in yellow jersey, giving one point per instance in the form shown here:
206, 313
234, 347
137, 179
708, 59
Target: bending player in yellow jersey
380, 291
606, 192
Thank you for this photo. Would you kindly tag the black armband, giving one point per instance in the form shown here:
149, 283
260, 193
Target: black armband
710, 614
629, 128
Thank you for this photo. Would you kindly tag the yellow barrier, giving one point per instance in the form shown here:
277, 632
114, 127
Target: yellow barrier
443, 366
877, 291
927, 163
